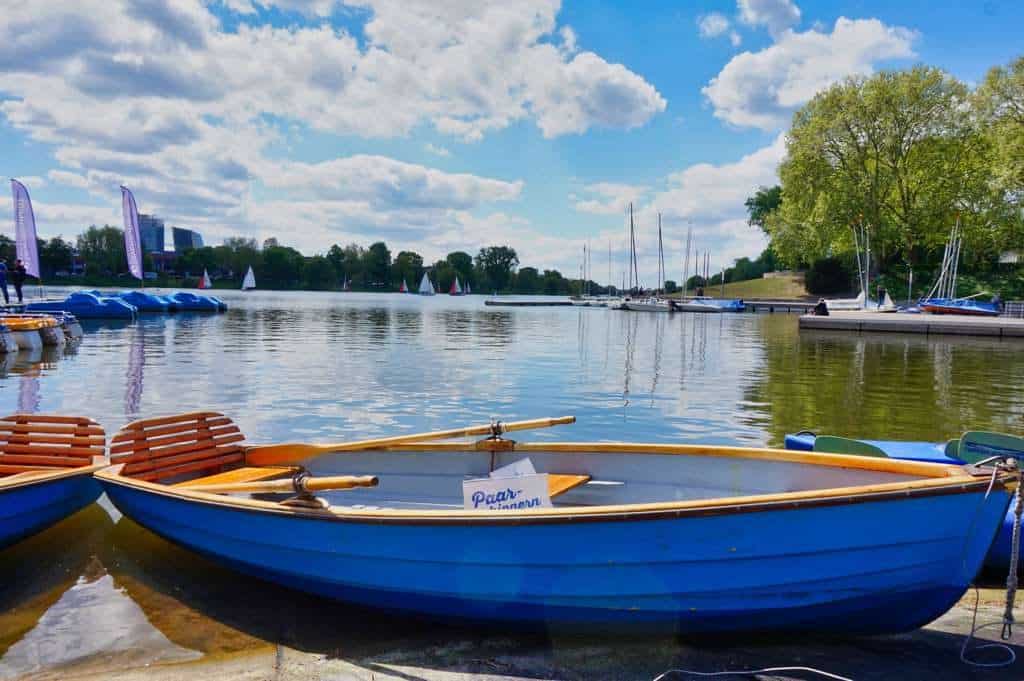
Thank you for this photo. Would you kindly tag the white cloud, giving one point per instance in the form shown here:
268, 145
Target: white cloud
735, 39
608, 198
762, 89
712, 25
707, 197
158, 95
436, 150
775, 15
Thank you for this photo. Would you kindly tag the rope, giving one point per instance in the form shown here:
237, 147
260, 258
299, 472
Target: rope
1011, 593
751, 672
1011, 578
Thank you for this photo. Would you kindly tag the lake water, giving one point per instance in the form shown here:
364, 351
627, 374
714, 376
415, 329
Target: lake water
99, 590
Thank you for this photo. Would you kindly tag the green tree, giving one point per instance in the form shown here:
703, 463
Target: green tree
528, 281
281, 267
102, 250
377, 265
318, 273
897, 152
407, 266
1000, 105
671, 286
54, 256
236, 256
497, 263
462, 263
554, 284
193, 261
764, 202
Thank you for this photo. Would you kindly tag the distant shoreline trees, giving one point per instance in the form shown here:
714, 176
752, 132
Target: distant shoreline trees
100, 250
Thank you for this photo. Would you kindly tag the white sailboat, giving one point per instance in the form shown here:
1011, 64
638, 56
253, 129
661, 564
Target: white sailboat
205, 282
653, 303
426, 286
250, 280
455, 290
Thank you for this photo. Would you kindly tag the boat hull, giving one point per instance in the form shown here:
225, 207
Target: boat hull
998, 556
959, 306
839, 567
33, 506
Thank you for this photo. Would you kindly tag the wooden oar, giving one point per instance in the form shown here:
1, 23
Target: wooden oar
288, 485
272, 455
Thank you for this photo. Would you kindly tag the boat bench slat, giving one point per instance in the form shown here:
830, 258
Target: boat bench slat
200, 465
248, 474
201, 435
48, 418
142, 434
6, 427
142, 424
200, 452
560, 484
49, 449
46, 460
28, 438
11, 468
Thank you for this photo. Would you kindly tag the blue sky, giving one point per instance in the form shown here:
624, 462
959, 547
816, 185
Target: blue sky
438, 126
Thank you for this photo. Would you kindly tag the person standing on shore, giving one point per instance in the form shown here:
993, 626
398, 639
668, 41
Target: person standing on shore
3, 281
18, 278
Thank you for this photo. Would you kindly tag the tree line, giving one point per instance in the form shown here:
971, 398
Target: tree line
902, 156
494, 268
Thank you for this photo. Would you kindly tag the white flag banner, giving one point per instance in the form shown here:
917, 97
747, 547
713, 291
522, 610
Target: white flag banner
132, 242
25, 229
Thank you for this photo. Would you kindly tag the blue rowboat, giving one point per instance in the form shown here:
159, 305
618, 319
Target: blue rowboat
46, 471
682, 537
998, 557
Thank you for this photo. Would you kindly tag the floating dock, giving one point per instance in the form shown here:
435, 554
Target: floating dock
929, 324
798, 306
528, 303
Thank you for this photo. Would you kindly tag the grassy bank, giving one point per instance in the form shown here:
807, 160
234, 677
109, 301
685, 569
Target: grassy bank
773, 288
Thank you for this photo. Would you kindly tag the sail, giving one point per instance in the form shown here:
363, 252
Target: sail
468, 290
403, 288
249, 281
458, 289
426, 287
205, 281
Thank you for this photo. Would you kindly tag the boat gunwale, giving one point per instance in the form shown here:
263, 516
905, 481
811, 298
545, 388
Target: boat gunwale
939, 479
42, 475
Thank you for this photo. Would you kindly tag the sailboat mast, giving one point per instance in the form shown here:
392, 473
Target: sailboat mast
661, 258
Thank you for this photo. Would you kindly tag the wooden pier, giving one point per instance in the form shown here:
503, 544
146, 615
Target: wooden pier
899, 322
528, 303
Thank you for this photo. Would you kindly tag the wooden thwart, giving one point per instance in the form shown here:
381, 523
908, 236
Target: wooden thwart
560, 484
248, 474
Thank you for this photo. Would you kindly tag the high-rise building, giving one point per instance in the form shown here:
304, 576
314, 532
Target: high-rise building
151, 232
185, 239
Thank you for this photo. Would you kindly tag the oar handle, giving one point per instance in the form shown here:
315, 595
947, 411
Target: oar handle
289, 485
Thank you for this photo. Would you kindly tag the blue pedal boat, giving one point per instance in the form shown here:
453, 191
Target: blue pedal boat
953, 452
46, 471
145, 302
191, 302
687, 538
87, 305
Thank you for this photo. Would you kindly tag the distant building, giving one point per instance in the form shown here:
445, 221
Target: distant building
151, 231
185, 239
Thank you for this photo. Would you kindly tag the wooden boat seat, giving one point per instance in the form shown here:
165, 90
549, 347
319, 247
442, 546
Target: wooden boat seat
560, 484
157, 449
44, 442
248, 474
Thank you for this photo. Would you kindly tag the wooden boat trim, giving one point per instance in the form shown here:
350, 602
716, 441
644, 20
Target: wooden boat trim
939, 480
48, 475
918, 468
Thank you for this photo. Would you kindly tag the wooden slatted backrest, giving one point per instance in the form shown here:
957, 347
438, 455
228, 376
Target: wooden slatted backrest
31, 441
167, 447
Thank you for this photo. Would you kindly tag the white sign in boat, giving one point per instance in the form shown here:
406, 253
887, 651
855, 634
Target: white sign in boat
510, 488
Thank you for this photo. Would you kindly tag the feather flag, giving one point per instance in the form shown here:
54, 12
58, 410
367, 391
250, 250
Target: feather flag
25, 229
132, 242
